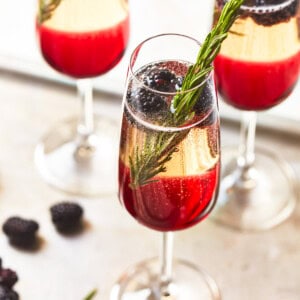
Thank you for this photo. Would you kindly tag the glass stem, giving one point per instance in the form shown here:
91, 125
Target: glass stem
166, 262
86, 118
247, 140
85, 148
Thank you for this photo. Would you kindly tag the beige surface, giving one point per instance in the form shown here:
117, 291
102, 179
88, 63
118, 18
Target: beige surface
262, 266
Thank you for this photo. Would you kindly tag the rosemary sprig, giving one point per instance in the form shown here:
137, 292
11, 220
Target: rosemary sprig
91, 295
159, 148
183, 105
46, 9
157, 151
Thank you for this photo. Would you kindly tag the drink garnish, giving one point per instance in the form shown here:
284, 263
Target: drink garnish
158, 148
46, 9
91, 295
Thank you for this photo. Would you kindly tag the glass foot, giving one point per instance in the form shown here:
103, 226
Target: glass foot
141, 283
85, 171
258, 199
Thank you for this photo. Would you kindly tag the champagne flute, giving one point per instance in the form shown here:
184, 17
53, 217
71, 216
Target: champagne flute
81, 39
256, 69
168, 170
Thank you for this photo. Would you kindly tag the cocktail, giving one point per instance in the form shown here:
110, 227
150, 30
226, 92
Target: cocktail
256, 69
168, 162
169, 158
81, 39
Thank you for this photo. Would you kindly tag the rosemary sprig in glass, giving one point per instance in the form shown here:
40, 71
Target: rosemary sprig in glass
158, 148
46, 9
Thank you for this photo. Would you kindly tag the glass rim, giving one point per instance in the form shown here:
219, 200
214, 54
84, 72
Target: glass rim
170, 128
180, 92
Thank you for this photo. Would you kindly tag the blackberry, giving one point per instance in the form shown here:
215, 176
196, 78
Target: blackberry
205, 101
7, 293
204, 105
161, 80
66, 216
146, 101
178, 82
8, 278
21, 232
270, 17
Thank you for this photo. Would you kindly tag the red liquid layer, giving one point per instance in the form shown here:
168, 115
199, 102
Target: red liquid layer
86, 54
256, 85
170, 203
